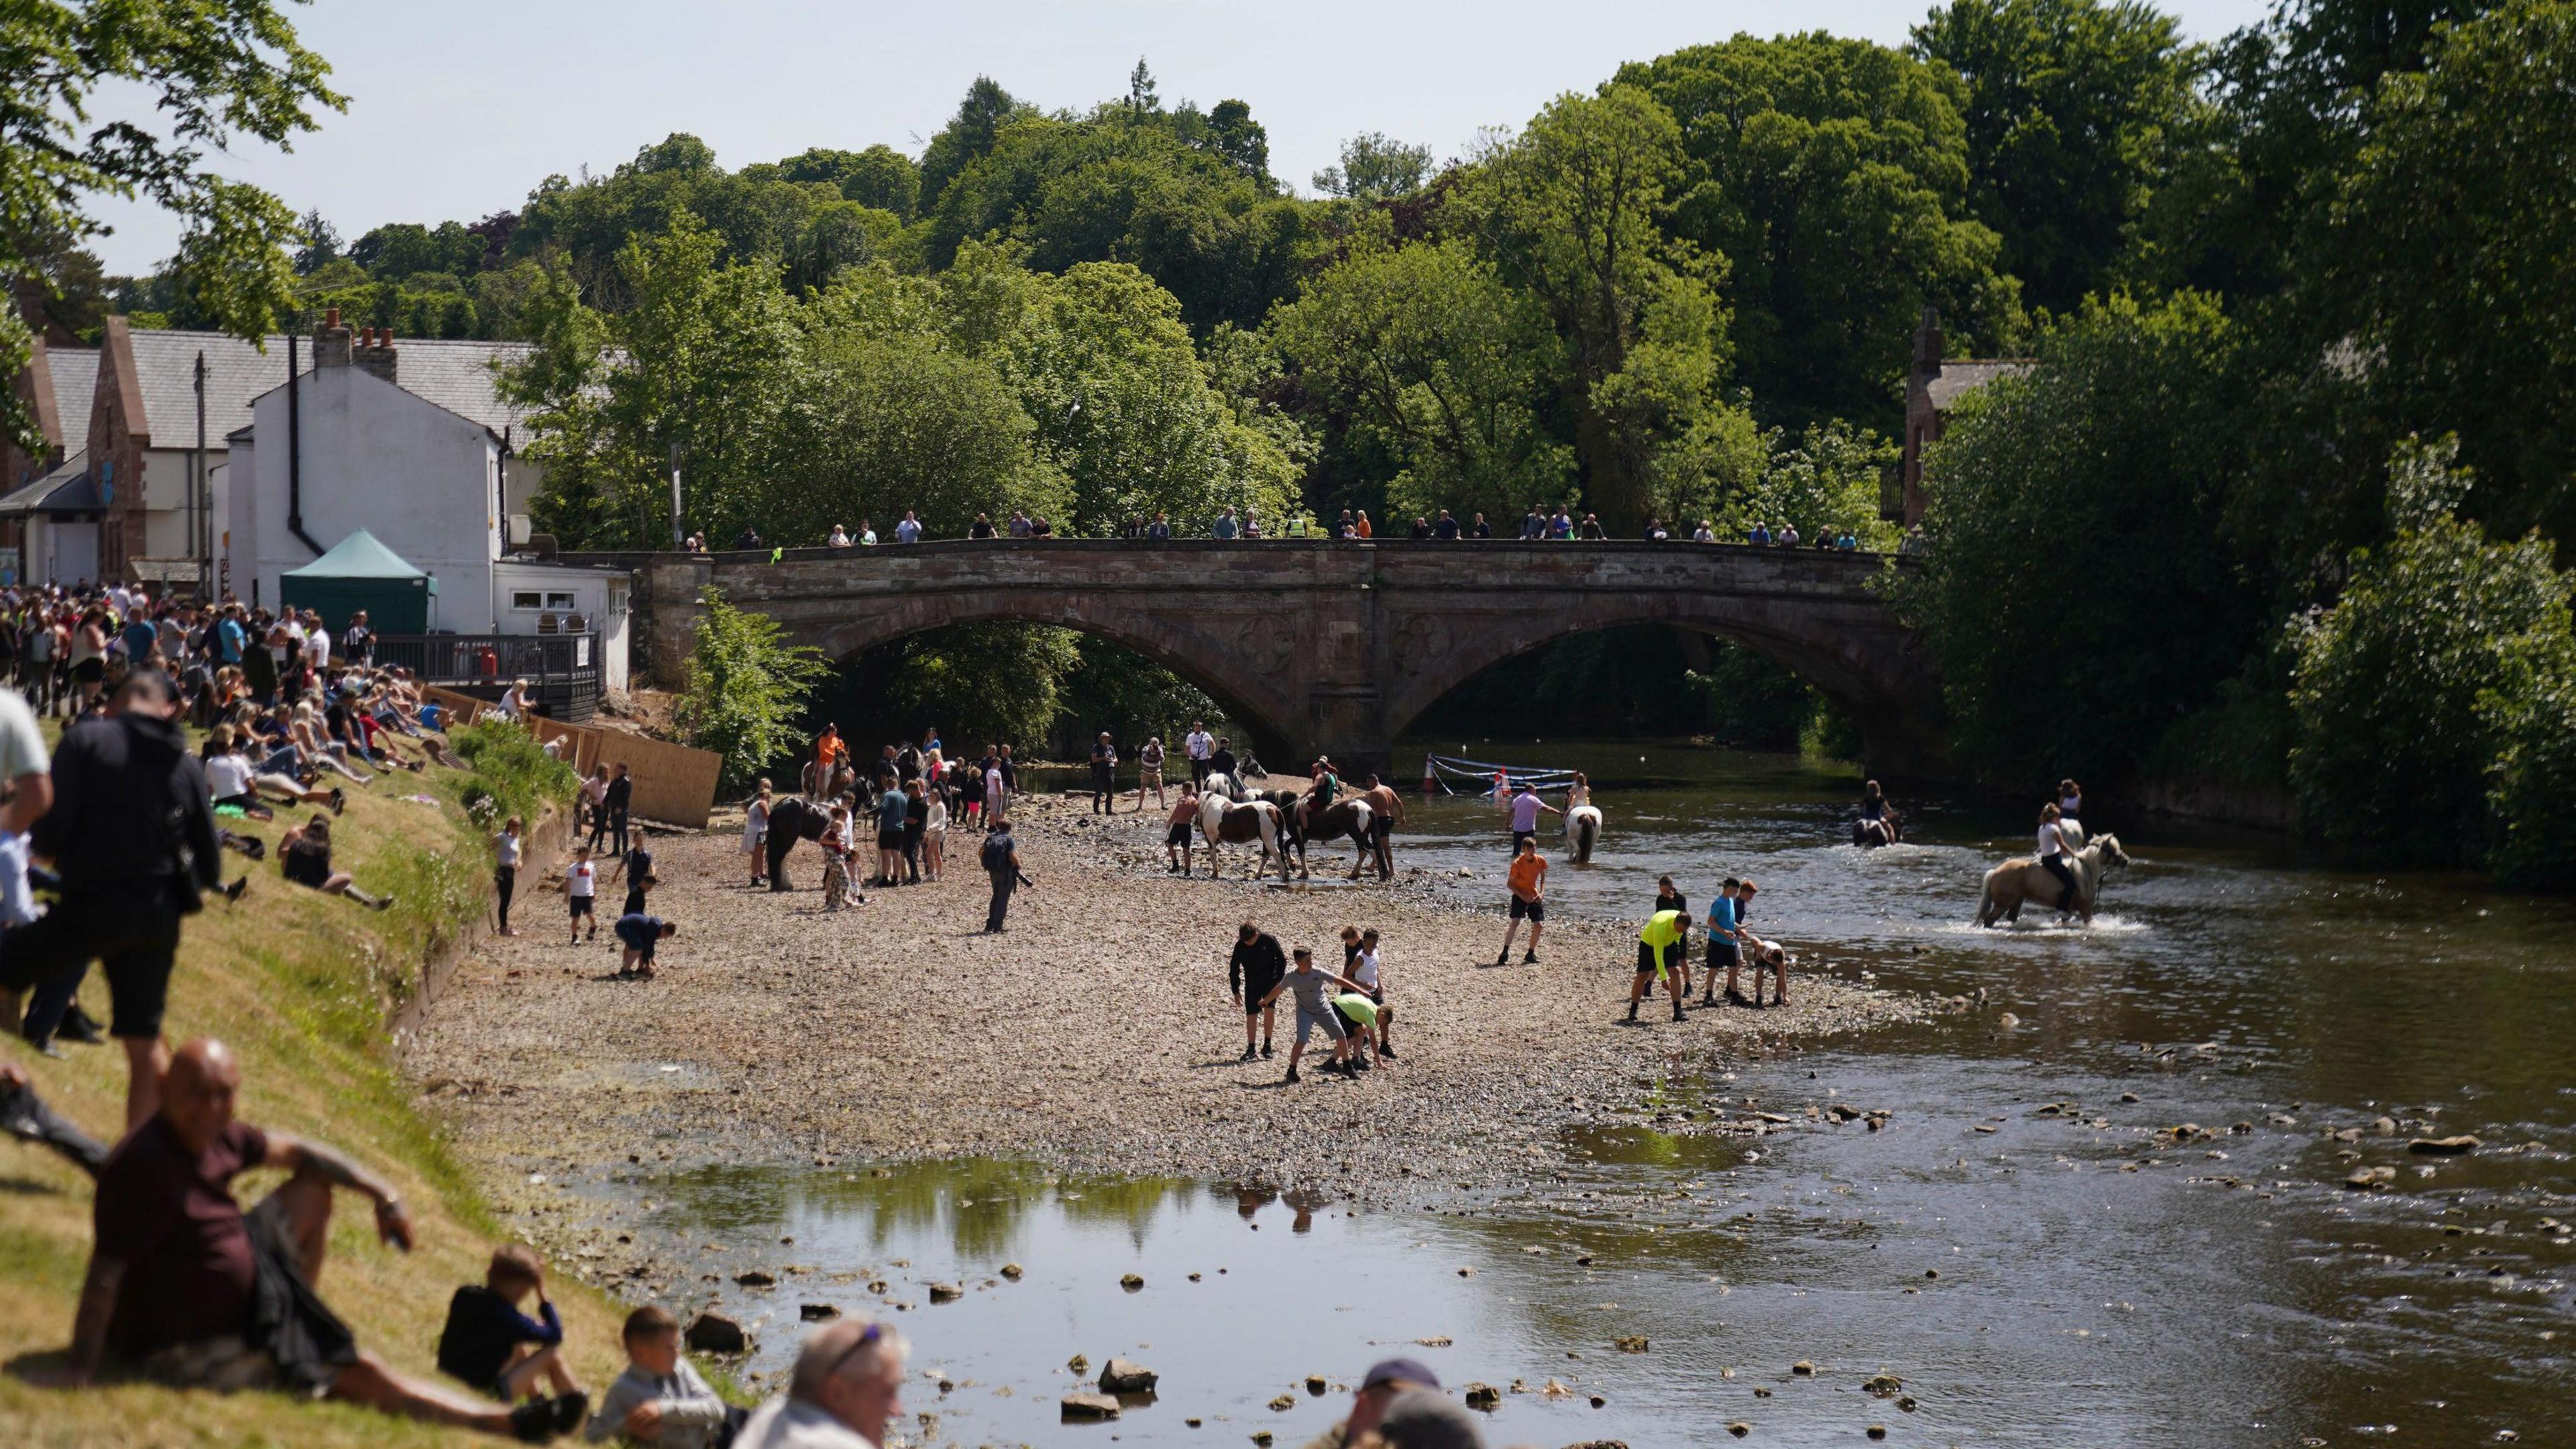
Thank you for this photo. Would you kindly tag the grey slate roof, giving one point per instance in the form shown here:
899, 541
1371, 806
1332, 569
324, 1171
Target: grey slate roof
456, 375
69, 479
75, 375
1963, 375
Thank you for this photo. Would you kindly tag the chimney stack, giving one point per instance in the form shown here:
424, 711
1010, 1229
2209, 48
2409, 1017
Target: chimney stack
331, 341
377, 355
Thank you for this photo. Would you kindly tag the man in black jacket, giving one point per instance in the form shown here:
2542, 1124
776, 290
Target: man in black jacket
1256, 965
132, 835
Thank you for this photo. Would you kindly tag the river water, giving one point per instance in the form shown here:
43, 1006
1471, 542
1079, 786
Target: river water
2027, 1245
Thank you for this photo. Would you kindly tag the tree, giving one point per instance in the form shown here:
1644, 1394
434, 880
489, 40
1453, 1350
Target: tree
2448, 258
1142, 101
1442, 367
321, 244
969, 135
879, 177
215, 74
1376, 167
1571, 212
747, 685
1832, 175
2404, 695
2071, 108
1239, 140
2049, 561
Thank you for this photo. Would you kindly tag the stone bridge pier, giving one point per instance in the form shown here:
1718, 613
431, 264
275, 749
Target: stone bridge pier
1329, 647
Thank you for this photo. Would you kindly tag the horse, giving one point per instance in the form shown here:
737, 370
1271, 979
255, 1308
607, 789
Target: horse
1582, 831
790, 820
1222, 786
1241, 823
1350, 816
1871, 834
2024, 881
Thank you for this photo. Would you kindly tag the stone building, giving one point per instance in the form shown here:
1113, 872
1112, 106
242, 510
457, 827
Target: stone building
1933, 386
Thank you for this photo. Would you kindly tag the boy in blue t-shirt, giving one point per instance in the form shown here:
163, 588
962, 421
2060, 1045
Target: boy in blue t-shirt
640, 933
1725, 928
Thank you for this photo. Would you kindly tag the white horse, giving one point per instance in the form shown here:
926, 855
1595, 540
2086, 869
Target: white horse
1582, 832
1222, 786
1224, 820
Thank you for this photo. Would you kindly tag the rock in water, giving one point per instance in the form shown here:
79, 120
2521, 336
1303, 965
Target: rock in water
1012, 1271
1883, 1385
755, 1279
1078, 1364
1125, 1376
946, 1292
817, 1312
1284, 1403
1802, 1368
1131, 1282
2365, 1178
1633, 1343
715, 1333
1317, 1383
1087, 1408
2444, 1146
1484, 1396
1739, 1428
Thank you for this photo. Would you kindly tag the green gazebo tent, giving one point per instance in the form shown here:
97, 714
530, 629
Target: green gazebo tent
361, 573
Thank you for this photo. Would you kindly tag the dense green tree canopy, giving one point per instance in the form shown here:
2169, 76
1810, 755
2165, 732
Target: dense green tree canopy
1832, 177
2071, 108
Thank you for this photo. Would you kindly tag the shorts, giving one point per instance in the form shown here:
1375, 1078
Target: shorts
133, 935
1179, 835
1253, 992
890, 839
1358, 1008
89, 671
1150, 778
634, 902
584, 906
1534, 912
1327, 1020
1520, 835
1723, 952
1651, 962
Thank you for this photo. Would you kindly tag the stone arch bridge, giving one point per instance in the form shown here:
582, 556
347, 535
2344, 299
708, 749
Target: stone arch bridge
1331, 646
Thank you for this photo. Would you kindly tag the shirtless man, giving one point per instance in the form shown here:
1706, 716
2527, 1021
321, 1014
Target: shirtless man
1176, 835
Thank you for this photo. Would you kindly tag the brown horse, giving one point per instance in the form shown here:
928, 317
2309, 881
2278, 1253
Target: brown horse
1224, 820
1350, 816
2024, 881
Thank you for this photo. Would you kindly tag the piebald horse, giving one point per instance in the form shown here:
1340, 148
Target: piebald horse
1241, 823
1350, 816
1582, 832
2024, 881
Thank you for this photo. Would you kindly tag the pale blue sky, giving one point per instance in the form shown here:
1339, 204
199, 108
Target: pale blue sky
457, 109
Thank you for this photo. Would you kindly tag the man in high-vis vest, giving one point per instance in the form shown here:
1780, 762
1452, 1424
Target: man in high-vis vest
1656, 948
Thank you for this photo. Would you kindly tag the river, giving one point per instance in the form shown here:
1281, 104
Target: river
2027, 1245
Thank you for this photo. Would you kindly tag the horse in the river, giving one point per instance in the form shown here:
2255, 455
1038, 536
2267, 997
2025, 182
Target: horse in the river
1582, 832
1241, 823
1871, 834
791, 820
2024, 881
1223, 786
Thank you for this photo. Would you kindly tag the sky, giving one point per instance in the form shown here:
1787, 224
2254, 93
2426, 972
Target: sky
458, 110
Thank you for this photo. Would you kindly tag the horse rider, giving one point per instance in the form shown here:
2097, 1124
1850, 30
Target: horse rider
2053, 856
2070, 802
1874, 806
1320, 798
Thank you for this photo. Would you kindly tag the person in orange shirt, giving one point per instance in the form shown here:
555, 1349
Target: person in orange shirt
827, 750
1529, 900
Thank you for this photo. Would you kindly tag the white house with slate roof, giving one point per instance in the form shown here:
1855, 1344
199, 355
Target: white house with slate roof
413, 445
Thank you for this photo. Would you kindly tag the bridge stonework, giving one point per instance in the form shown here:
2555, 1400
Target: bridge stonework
1334, 647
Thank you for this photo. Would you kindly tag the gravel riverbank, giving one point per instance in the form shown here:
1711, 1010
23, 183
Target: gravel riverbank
1095, 1034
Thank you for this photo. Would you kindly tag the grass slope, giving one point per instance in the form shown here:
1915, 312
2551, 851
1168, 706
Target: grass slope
301, 984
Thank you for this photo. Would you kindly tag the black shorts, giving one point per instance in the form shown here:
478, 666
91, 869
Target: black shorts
1253, 993
1723, 952
634, 902
584, 906
135, 935
1179, 834
89, 671
1520, 835
889, 840
1647, 958
1534, 912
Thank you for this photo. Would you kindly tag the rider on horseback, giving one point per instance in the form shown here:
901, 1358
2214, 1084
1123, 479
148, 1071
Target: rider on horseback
1327, 785
2053, 857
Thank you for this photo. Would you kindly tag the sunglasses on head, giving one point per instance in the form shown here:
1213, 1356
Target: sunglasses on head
869, 1335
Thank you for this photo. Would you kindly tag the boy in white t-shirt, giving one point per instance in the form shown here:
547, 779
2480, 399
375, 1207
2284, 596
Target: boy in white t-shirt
581, 887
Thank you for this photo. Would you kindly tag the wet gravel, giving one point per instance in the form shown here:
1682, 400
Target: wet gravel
1095, 1034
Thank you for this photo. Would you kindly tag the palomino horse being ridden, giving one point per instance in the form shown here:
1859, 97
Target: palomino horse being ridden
1241, 823
2024, 881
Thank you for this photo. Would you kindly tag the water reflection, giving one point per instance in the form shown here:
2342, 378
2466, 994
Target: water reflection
2027, 1240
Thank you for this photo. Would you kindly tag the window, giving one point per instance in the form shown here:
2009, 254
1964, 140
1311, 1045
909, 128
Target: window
533, 600
526, 599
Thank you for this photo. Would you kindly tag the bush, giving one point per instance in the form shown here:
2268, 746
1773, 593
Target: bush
512, 773
747, 685
2531, 713
2430, 688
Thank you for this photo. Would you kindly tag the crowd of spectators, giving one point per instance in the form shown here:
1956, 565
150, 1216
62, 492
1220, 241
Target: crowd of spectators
1541, 524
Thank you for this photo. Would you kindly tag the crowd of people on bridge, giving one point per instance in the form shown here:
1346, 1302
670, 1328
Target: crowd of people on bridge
1540, 524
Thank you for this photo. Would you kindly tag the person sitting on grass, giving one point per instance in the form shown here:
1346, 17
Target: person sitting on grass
234, 780
848, 1382
661, 1400
640, 933
187, 1290
305, 856
489, 1344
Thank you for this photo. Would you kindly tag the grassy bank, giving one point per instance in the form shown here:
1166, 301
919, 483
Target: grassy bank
301, 984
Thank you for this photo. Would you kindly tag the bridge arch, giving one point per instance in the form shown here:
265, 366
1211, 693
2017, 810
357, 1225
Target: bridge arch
1330, 646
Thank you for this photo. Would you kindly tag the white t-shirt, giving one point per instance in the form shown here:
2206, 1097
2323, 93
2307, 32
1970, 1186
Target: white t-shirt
1200, 745
938, 819
227, 775
2051, 840
993, 783
583, 878
317, 647
22, 744
1364, 969
509, 847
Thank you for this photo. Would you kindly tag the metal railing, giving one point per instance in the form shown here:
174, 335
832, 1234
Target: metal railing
562, 670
